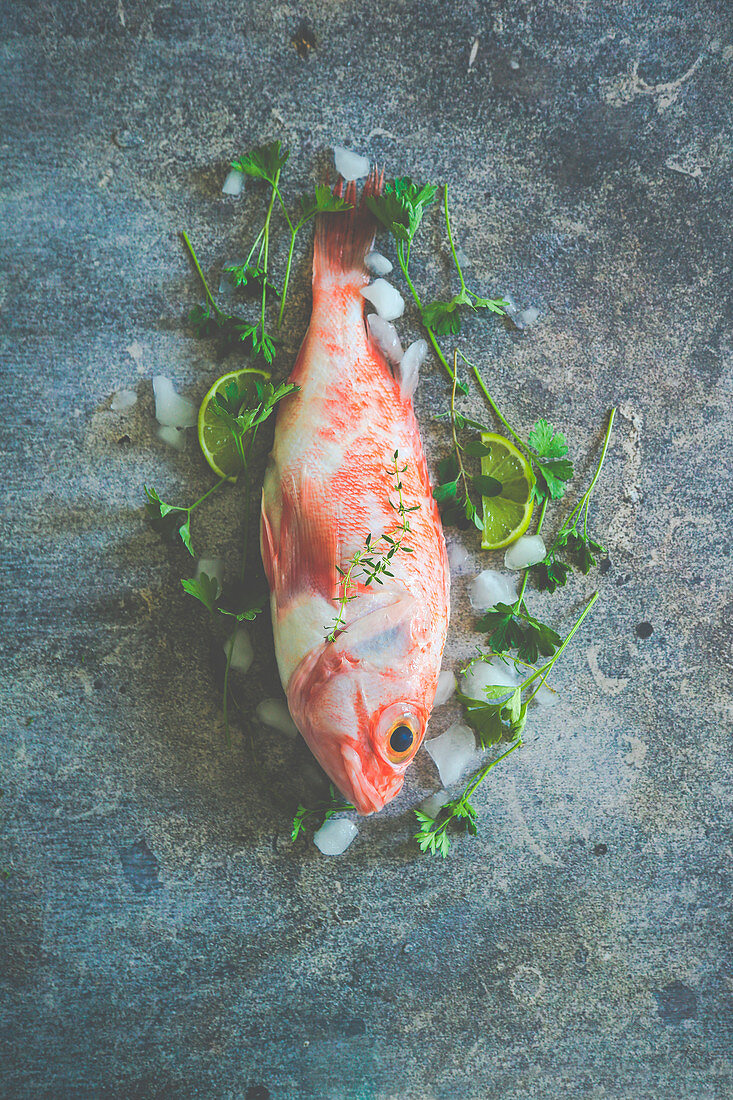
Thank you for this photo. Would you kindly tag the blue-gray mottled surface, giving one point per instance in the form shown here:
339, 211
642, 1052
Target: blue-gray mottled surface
161, 936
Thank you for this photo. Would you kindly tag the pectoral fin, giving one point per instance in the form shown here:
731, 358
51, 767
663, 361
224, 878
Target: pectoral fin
301, 556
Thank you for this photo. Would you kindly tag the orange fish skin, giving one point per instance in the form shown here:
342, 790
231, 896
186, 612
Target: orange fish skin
328, 485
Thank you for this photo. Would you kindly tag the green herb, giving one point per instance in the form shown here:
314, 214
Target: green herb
453, 491
552, 572
169, 519
372, 562
241, 421
322, 811
432, 836
203, 588
324, 202
263, 162
445, 317
545, 448
512, 627
249, 279
501, 717
249, 614
489, 718
400, 209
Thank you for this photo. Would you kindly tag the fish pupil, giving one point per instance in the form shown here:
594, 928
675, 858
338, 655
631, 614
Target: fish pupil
401, 739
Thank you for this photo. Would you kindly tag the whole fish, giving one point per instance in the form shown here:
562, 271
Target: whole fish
359, 662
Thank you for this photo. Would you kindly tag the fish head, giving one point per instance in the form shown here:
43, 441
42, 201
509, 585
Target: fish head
362, 702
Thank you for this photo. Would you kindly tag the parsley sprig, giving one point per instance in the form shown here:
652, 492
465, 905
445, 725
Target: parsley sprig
545, 448
458, 813
400, 209
491, 719
321, 812
573, 537
371, 562
445, 317
169, 519
500, 717
266, 163
242, 421
510, 626
453, 491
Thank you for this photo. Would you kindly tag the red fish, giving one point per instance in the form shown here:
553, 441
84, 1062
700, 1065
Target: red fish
360, 673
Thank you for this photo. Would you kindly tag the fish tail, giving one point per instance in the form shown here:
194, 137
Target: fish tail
343, 239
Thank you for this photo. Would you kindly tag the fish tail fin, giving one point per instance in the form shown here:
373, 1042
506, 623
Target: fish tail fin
343, 239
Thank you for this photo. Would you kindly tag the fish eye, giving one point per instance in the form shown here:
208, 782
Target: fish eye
398, 731
401, 739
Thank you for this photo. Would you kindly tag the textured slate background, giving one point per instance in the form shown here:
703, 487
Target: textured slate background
161, 936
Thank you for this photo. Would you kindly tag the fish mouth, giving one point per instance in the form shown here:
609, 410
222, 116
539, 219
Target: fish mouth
369, 795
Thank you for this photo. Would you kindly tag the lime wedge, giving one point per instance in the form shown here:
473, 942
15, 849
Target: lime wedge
508, 510
215, 439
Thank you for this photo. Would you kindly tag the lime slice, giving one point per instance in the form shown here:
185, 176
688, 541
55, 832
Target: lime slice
508, 510
214, 437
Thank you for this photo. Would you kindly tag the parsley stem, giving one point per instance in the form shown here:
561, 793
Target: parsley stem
257, 240
544, 672
520, 597
403, 262
293, 233
197, 265
457, 449
584, 502
493, 404
285, 209
586, 496
266, 245
450, 238
480, 776
208, 493
286, 280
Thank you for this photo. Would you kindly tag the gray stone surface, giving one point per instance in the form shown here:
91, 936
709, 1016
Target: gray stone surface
161, 936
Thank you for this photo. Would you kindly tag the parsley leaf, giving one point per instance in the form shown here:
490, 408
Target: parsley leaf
262, 162
169, 519
512, 627
551, 574
551, 477
494, 305
444, 317
401, 206
250, 279
546, 442
249, 614
322, 811
459, 814
203, 588
324, 202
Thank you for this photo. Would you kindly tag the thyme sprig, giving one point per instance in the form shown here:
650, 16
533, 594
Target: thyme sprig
371, 563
